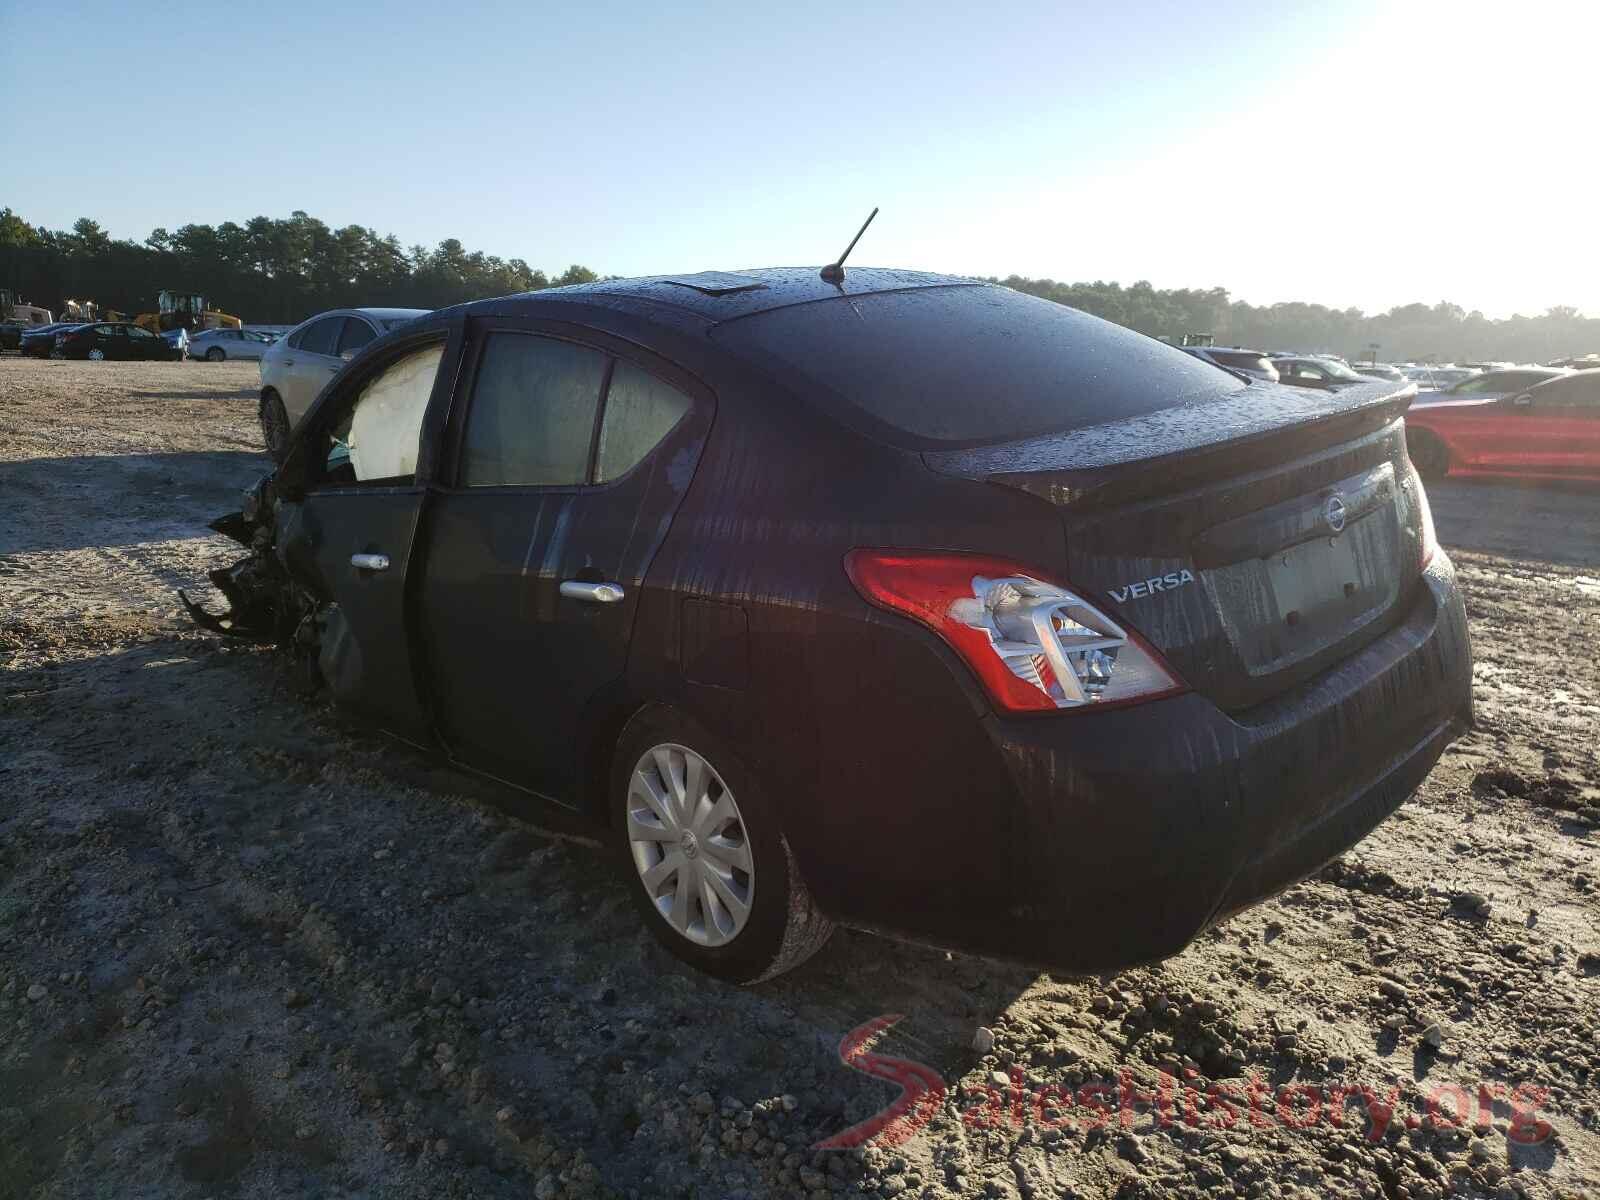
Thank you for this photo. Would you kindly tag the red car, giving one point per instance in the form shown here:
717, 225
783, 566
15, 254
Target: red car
1551, 431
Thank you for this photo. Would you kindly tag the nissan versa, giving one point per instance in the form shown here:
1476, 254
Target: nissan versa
900, 601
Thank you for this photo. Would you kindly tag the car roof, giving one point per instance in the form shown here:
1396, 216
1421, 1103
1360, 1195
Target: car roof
727, 295
383, 314
376, 314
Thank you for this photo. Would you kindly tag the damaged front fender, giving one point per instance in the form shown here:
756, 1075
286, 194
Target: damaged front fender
265, 603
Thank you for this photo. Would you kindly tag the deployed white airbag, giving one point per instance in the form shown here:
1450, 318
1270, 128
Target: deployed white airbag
387, 423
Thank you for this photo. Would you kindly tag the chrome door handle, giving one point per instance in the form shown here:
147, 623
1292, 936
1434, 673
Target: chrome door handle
370, 562
594, 593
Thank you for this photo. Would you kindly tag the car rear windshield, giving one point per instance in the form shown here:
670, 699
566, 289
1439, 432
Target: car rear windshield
969, 365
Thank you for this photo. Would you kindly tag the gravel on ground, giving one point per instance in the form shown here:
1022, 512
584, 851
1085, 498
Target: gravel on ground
247, 949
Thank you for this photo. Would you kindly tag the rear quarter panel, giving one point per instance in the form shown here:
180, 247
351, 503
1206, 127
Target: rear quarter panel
865, 728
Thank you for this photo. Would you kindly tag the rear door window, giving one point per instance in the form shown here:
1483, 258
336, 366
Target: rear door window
530, 422
1581, 391
640, 412
320, 336
1241, 361
357, 333
1299, 371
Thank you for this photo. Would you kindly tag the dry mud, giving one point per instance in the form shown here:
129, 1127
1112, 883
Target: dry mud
247, 950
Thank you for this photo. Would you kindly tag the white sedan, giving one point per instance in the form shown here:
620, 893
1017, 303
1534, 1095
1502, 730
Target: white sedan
217, 345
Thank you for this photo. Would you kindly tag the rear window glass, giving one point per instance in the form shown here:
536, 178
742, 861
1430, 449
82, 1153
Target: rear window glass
1240, 360
1580, 389
968, 366
640, 411
357, 333
318, 338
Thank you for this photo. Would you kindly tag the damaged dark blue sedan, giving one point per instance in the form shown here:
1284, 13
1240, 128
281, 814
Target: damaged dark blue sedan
894, 600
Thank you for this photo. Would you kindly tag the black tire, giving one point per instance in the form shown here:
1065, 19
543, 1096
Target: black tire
216, 354
785, 927
274, 425
1428, 454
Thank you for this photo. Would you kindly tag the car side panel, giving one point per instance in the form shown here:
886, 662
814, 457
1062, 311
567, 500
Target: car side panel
756, 555
1499, 439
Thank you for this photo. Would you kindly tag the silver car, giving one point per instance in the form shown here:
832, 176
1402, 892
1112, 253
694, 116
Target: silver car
219, 345
296, 367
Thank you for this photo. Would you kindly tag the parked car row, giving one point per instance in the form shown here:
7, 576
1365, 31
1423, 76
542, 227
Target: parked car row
115, 340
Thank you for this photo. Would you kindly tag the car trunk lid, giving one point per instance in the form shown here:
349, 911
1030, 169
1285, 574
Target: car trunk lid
1253, 540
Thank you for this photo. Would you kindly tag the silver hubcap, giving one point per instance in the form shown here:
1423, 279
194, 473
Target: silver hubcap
274, 425
690, 846
97, 355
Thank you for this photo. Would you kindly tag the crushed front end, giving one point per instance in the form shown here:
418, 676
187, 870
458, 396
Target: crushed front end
265, 603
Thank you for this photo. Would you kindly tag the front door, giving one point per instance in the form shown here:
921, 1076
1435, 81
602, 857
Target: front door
354, 530
142, 343
570, 463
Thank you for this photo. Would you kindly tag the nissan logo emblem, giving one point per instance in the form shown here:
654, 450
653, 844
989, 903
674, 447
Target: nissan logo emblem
1333, 513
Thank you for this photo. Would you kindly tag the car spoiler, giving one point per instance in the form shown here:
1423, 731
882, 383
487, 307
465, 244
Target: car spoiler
1179, 447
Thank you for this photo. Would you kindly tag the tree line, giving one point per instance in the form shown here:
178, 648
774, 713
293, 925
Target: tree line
266, 271
1442, 332
279, 271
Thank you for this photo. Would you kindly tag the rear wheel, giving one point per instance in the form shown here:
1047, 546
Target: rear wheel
704, 857
97, 355
216, 354
274, 425
1428, 454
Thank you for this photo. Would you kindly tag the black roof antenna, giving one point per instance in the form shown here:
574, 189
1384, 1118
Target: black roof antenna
834, 272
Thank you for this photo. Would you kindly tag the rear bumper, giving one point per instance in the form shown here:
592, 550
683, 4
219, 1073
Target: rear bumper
1130, 831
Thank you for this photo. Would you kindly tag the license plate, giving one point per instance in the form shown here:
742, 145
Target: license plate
1314, 578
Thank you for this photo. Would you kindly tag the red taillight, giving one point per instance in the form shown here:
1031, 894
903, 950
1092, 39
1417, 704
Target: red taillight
1035, 646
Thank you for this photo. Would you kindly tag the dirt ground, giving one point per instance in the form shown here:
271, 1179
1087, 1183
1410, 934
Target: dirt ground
246, 950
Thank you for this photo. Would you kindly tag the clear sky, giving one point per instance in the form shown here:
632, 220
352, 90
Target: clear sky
1350, 152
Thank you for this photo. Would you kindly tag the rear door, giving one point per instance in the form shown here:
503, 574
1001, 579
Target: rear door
367, 457
313, 360
1563, 426
572, 455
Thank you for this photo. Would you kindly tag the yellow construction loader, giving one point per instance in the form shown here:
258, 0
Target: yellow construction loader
185, 310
